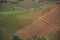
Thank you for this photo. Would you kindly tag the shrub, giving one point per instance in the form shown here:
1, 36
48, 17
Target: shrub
15, 37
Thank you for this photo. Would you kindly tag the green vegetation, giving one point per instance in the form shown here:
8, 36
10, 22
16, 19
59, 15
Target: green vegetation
45, 38
12, 20
23, 5
15, 37
55, 35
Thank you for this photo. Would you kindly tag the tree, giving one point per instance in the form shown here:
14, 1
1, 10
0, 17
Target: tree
15, 37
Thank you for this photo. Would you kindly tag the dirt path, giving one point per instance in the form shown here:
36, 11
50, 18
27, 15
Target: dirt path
42, 26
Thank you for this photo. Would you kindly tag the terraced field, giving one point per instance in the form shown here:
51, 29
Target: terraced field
11, 21
43, 26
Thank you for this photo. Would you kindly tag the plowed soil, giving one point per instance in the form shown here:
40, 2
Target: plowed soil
41, 27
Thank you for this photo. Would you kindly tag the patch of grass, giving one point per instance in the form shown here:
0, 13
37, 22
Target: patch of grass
16, 19
12, 22
55, 35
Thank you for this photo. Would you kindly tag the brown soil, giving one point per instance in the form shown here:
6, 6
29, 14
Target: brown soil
43, 26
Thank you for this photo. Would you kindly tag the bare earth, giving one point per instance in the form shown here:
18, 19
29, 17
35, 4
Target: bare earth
43, 26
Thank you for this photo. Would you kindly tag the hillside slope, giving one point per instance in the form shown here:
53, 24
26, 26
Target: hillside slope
42, 26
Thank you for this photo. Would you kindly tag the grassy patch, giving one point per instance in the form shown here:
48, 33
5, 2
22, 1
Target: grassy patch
55, 35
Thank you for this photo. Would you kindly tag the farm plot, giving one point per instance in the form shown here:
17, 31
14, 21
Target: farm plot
43, 26
11, 21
